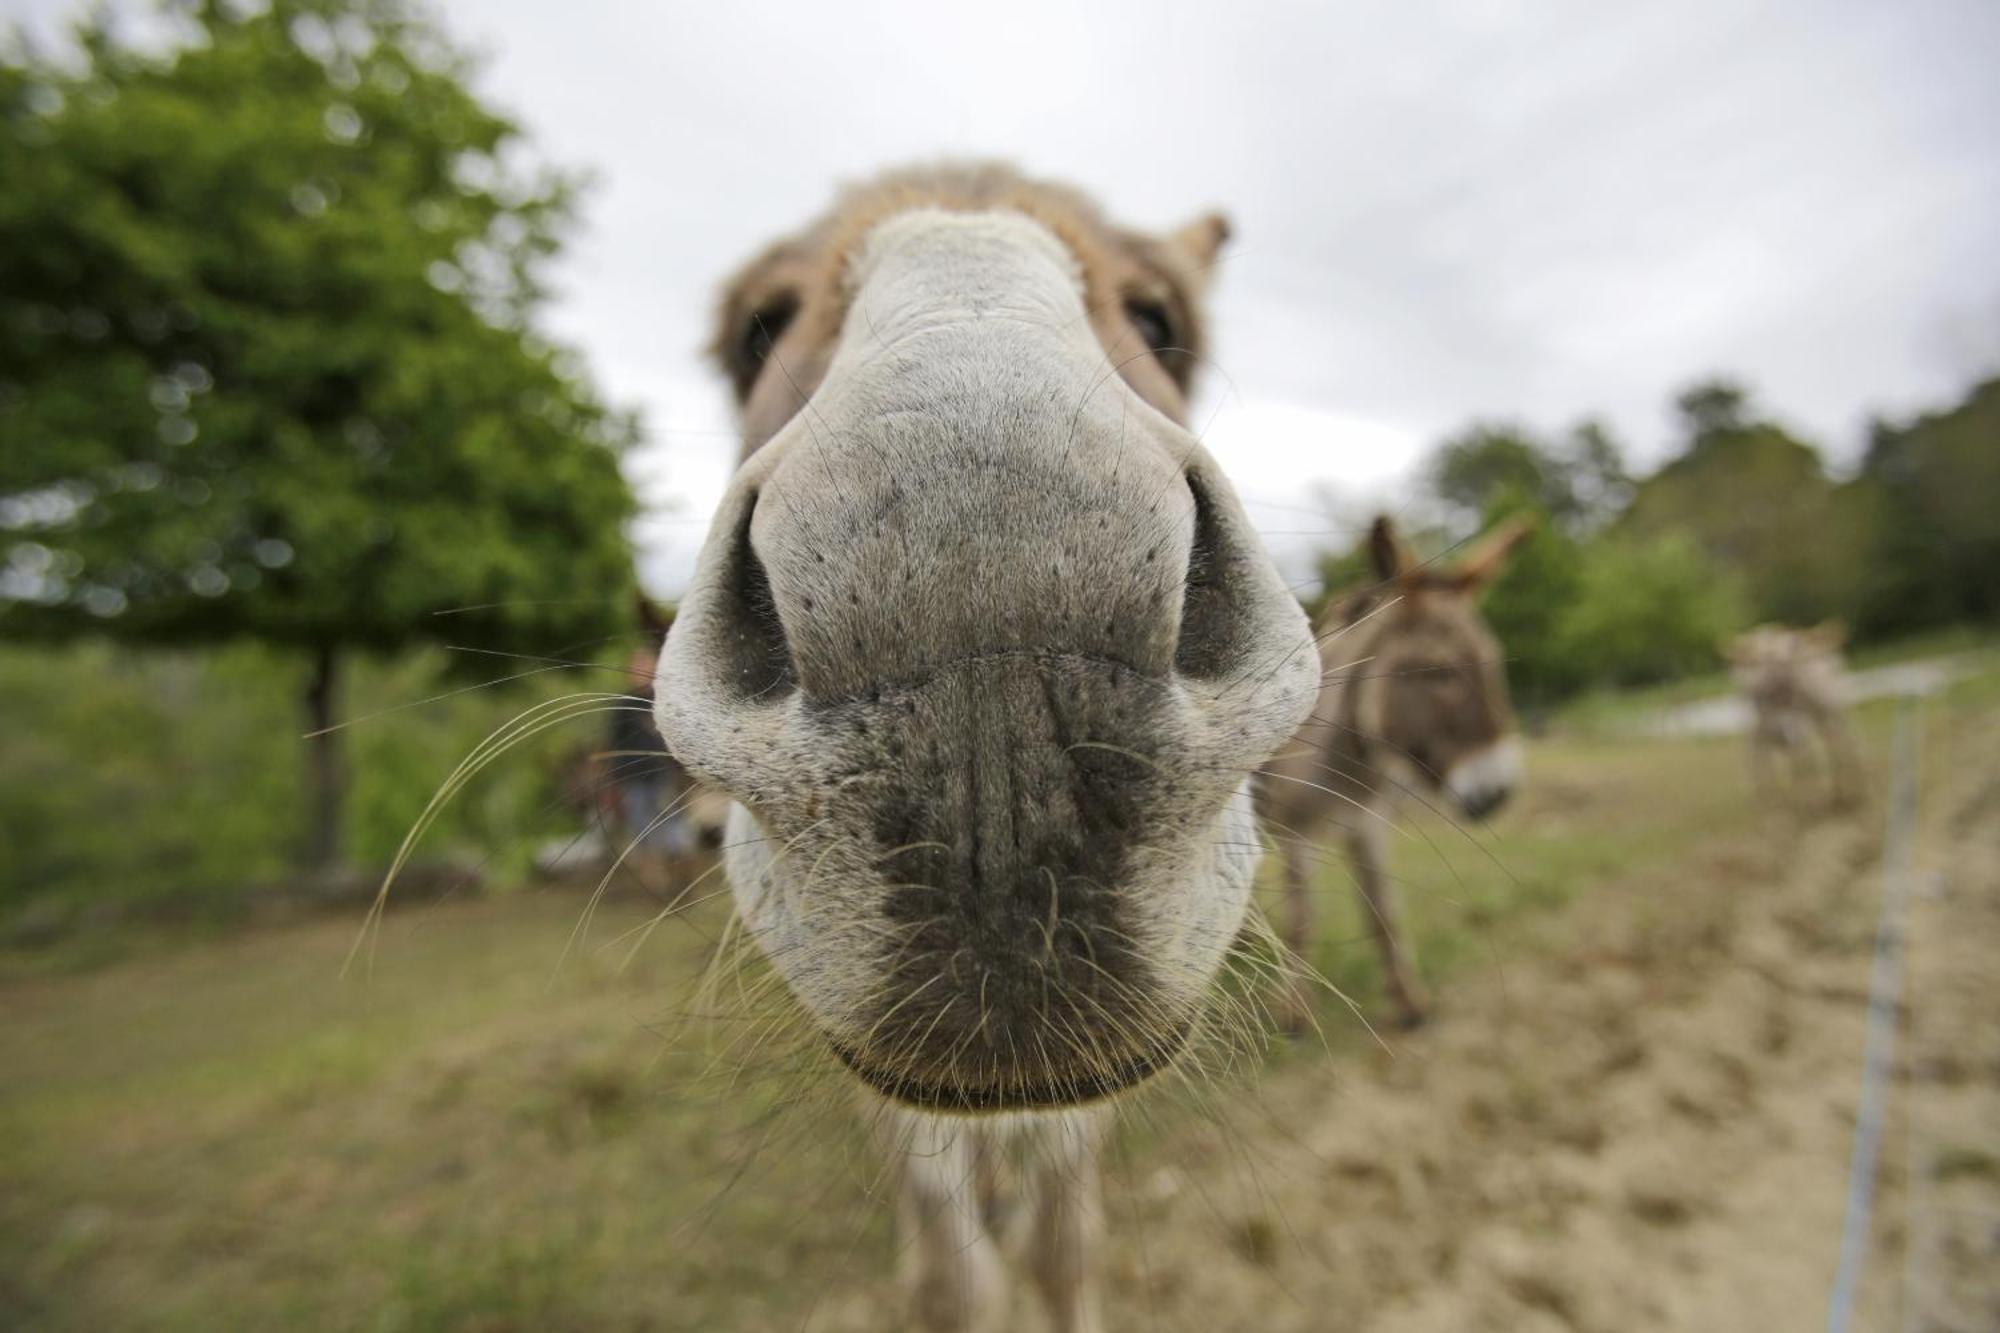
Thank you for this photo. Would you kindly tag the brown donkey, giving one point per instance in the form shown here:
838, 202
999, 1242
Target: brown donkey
985, 651
1413, 704
1797, 689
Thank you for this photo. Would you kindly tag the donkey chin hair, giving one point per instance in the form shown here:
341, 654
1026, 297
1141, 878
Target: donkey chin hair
1076, 1090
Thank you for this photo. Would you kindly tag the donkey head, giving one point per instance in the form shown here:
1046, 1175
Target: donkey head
981, 643
1774, 664
1434, 690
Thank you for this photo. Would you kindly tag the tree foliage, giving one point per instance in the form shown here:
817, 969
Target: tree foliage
266, 364
1756, 500
1645, 610
1575, 482
1931, 493
1633, 582
1715, 407
1528, 604
267, 357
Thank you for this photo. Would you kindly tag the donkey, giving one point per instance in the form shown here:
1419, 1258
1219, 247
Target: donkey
1413, 703
1796, 686
985, 651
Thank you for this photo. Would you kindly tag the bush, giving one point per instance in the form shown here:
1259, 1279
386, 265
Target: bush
1527, 606
170, 780
1647, 610
126, 779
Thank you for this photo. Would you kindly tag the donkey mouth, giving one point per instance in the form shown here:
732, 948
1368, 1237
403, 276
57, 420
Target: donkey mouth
1480, 804
1075, 1089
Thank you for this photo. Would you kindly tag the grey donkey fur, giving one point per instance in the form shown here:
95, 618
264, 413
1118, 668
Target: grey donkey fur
985, 651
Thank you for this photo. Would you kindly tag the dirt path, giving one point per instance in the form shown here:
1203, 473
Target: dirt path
1951, 1113
1644, 1124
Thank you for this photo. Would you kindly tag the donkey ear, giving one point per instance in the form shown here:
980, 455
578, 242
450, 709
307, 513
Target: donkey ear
1198, 242
1828, 635
654, 619
1392, 556
1482, 563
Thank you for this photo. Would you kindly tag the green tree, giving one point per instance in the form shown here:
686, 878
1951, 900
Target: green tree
1757, 501
1602, 485
1715, 407
1929, 488
1486, 462
1646, 610
1527, 606
1575, 483
267, 363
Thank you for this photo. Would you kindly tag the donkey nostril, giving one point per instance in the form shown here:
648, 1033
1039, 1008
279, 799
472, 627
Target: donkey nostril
760, 662
1214, 621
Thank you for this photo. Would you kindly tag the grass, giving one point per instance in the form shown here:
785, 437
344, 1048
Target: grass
225, 1132
459, 1142
1594, 811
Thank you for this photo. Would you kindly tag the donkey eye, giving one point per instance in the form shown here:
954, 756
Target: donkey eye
1154, 324
765, 326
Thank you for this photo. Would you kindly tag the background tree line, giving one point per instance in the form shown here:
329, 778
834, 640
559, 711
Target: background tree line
1635, 580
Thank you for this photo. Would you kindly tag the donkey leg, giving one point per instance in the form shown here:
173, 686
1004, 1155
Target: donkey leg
951, 1267
1801, 765
1294, 1002
1844, 758
1761, 784
1068, 1226
1379, 903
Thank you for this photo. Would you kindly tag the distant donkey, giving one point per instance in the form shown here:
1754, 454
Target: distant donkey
1413, 701
1796, 685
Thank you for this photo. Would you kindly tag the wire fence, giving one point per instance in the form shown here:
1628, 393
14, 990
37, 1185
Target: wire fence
1885, 987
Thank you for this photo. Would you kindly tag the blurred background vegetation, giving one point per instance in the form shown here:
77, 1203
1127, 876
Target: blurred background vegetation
282, 446
1634, 580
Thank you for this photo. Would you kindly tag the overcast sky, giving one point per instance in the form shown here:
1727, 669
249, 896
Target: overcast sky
1444, 211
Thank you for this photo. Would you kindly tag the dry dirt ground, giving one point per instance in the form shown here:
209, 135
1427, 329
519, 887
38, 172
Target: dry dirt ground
1646, 1122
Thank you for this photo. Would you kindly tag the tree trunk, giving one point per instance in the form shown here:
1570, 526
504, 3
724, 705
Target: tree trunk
324, 779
